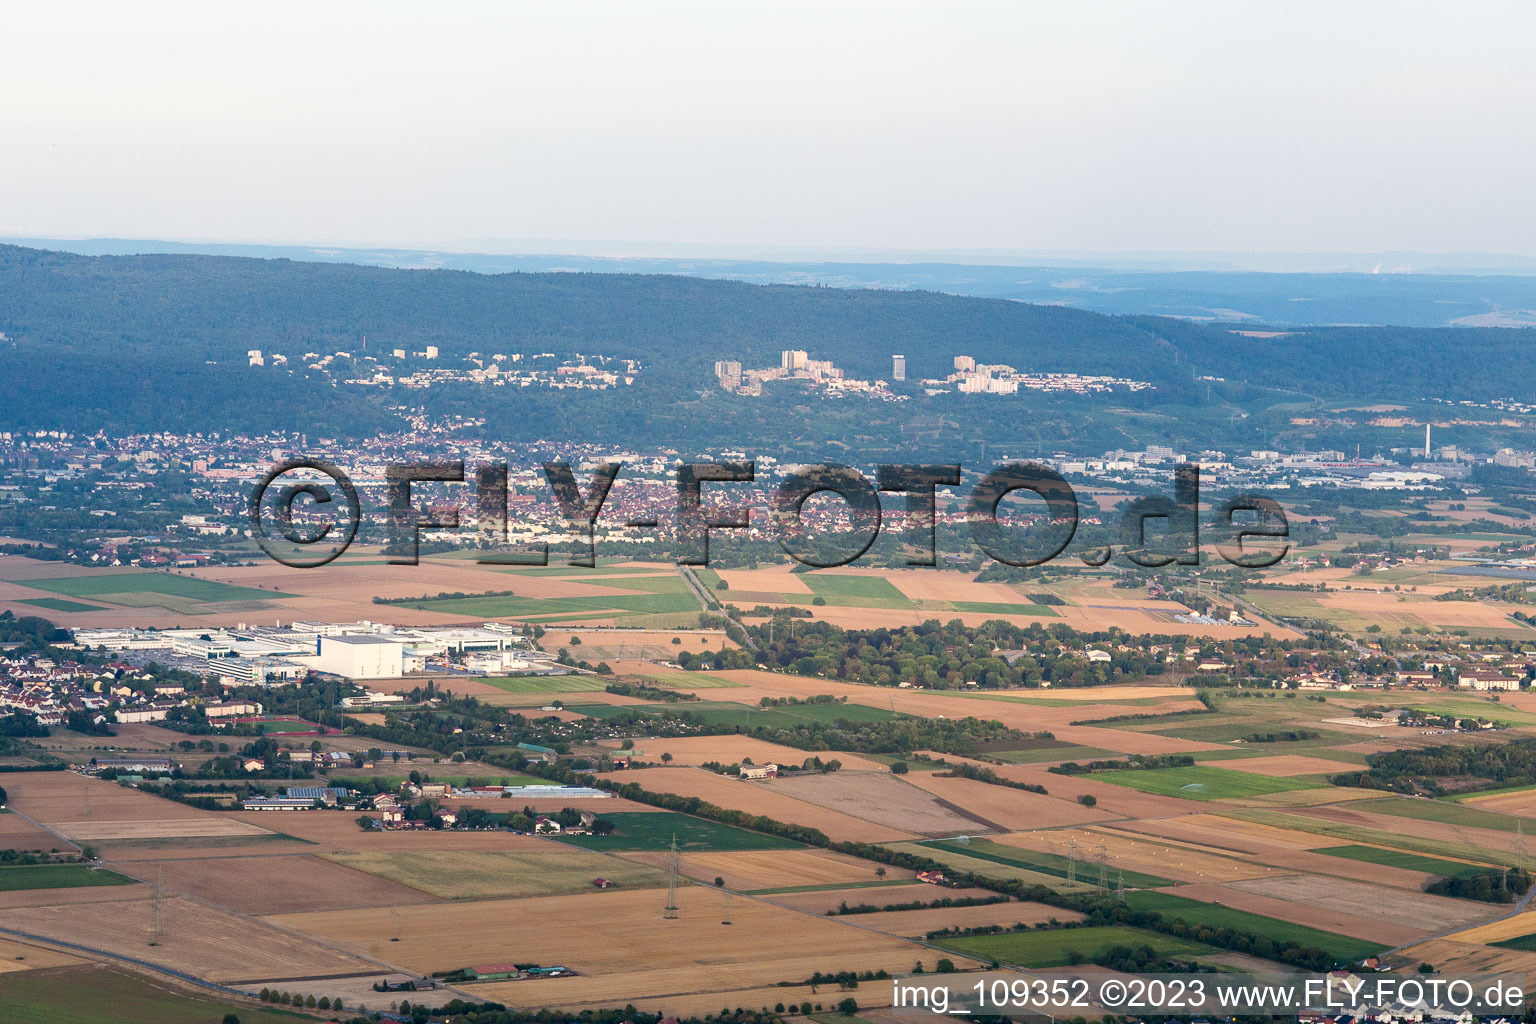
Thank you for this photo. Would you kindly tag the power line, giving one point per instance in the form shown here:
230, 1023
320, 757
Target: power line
672, 867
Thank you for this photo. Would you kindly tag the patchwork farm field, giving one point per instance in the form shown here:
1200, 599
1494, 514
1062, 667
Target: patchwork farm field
268, 884
642, 955
105, 995
1216, 916
753, 798
761, 871
879, 797
195, 938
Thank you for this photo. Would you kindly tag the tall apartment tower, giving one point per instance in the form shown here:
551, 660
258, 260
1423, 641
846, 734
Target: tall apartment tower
898, 367
1426, 442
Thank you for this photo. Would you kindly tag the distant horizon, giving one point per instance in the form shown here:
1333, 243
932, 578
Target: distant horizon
1273, 261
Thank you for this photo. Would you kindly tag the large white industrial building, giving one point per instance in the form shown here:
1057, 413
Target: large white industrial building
361, 657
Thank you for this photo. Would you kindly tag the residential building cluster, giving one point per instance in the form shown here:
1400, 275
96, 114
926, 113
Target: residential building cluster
973, 378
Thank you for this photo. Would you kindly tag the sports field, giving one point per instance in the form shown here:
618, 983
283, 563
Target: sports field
643, 830
1201, 782
545, 684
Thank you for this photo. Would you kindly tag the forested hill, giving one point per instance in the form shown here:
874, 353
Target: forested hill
159, 342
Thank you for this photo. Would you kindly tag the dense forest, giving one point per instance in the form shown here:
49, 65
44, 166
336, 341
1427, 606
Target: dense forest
99, 342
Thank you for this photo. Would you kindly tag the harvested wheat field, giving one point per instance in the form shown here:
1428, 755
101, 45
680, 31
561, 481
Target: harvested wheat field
1451, 957
756, 798
1412, 909
772, 869
28, 956
51, 797
1227, 835
1003, 808
84, 894
1498, 931
17, 833
273, 884
731, 749
1522, 803
633, 954
464, 874
196, 939
95, 831
880, 797
917, 923
1284, 765
1329, 920
871, 997
1183, 863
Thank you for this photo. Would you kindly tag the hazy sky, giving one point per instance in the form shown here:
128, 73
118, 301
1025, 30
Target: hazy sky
1173, 125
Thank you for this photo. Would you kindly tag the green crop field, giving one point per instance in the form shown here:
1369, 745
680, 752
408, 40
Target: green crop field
669, 595
1003, 608
108, 585
729, 713
460, 874
856, 591
545, 684
580, 572
654, 830
1216, 916
1522, 942
1055, 947
1200, 782
107, 995
1408, 861
1045, 863
59, 604
1069, 752
57, 876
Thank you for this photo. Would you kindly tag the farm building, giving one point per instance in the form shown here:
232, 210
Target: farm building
759, 771
276, 803
328, 795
